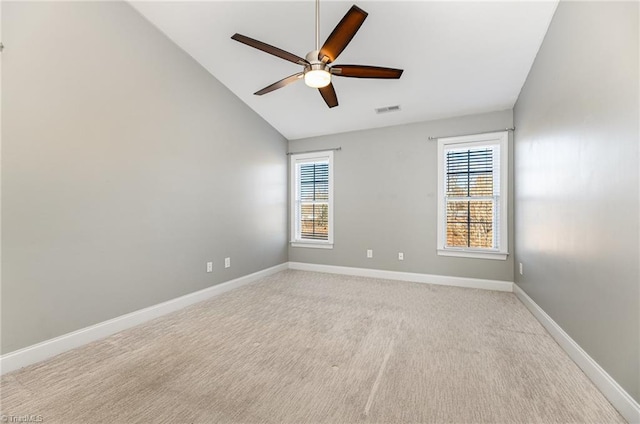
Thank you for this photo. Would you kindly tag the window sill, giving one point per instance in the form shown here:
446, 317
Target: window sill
312, 245
500, 256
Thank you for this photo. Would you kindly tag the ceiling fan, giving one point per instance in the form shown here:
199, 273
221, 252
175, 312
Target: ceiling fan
317, 73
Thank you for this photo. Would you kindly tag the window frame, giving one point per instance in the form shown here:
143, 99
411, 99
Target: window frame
500, 138
295, 239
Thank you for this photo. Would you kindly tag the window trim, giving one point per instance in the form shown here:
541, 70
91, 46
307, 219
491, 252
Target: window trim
295, 241
502, 139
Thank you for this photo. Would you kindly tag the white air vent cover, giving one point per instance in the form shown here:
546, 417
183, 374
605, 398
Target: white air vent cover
387, 109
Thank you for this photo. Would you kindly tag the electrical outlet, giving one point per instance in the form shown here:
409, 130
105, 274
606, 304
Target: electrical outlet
209, 266
521, 272
227, 262
369, 253
400, 256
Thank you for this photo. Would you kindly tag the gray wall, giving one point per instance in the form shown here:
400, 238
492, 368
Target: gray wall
125, 168
385, 199
576, 167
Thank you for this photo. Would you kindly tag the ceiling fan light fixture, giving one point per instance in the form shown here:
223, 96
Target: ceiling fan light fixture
317, 78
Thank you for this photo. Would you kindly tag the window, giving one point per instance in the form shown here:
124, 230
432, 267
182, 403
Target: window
472, 196
312, 200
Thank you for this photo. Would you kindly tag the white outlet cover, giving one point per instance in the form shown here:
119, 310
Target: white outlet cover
400, 256
209, 266
369, 253
227, 262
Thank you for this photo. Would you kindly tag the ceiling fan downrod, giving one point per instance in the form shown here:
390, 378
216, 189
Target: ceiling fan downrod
318, 25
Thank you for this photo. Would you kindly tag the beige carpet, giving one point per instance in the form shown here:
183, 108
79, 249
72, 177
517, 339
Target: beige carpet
302, 347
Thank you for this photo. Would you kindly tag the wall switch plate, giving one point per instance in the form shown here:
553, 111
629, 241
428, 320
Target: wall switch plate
369, 253
400, 256
209, 266
227, 262
521, 272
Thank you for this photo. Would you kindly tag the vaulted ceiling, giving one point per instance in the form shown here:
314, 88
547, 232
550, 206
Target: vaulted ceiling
459, 58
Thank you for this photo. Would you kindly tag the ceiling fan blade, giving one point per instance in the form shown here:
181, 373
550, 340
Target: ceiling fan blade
285, 81
364, 71
267, 48
329, 95
342, 34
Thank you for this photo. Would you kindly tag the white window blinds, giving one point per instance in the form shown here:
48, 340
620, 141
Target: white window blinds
472, 196
313, 200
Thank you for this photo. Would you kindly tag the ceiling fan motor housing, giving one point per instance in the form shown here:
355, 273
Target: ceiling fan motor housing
316, 67
312, 56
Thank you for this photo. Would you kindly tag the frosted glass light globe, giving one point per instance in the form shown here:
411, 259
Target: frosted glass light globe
317, 78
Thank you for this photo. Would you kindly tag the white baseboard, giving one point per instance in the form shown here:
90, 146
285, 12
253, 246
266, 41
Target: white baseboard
52, 347
475, 283
618, 397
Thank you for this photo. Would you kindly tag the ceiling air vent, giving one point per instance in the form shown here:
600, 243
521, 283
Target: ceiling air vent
388, 109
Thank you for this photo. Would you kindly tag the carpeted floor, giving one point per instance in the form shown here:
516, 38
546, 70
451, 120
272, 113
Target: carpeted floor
302, 347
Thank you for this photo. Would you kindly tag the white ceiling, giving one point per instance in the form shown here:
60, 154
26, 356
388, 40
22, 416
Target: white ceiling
459, 58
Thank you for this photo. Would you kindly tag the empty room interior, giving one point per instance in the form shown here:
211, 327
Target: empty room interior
320, 211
